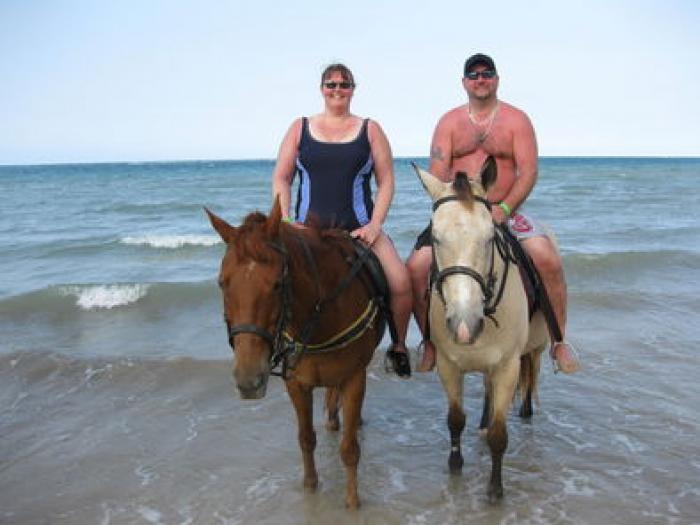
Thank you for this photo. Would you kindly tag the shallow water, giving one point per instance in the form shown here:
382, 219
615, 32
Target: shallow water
117, 404
169, 441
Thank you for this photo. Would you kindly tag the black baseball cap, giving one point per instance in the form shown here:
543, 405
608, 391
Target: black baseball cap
477, 59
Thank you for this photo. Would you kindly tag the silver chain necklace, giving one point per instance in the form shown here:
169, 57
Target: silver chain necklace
483, 135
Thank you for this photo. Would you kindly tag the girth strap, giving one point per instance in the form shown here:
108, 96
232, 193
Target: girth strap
354, 331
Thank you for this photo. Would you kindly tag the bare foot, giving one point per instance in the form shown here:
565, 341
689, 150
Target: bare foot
565, 358
428, 361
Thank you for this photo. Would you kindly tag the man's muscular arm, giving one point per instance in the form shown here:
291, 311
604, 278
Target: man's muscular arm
525, 160
441, 151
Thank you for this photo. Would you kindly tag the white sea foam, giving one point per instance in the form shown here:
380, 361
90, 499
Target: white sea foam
170, 241
151, 515
264, 487
105, 295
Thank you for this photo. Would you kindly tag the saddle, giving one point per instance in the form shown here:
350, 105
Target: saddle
537, 297
535, 291
364, 265
377, 284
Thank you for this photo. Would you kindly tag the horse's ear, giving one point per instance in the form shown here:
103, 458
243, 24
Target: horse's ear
489, 172
434, 186
223, 228
272, 228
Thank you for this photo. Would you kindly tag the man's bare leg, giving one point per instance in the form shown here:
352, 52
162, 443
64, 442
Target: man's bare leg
419, 267
549, 264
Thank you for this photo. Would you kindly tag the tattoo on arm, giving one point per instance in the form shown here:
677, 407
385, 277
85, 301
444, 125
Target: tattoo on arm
436, 153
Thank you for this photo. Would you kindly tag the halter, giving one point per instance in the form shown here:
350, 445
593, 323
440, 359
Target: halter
273, 340
284, 348
487, 284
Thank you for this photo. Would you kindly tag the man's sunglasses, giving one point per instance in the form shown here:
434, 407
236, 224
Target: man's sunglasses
341, 85
486, 73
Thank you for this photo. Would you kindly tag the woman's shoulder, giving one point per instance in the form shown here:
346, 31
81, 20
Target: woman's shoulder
296, 124
375, 133
293, 134
373, 127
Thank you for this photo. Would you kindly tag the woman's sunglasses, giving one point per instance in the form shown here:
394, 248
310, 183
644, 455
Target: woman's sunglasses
341, 85
486, 73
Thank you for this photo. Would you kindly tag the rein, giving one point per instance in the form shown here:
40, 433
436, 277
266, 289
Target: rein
487, 285
285, 349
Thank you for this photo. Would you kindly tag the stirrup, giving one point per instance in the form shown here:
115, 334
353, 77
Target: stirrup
397, 362
573, 352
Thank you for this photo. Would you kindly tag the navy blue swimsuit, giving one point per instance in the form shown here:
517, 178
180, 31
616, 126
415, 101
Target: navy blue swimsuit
335, 180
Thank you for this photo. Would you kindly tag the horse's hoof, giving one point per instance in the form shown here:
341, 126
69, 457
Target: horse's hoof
495, 494
333, 425
352, 503
525, 412
456, 462
311, 484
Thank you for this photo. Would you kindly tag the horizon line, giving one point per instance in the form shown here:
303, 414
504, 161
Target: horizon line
261, 159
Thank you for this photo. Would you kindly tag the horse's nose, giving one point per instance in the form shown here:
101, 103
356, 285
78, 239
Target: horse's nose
462, 332
253, 389
465, 331
250, 386
459, 328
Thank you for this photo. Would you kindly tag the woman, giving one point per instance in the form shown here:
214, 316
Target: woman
335, 153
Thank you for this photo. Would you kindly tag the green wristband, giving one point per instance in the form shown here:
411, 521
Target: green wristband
287, 219
505, 208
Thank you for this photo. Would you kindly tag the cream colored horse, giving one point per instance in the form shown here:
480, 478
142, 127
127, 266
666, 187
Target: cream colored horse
479, 313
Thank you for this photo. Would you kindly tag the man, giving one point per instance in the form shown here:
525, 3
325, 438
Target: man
464, 137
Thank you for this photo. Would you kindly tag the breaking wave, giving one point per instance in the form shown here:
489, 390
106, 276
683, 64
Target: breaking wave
171, 241
107, 296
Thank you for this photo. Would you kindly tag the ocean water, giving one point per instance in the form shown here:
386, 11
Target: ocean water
117, 403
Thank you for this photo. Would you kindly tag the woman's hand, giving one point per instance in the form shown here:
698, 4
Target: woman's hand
369, 233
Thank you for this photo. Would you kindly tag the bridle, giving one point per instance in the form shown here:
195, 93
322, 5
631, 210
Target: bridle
487, 284
284, 349
274, 340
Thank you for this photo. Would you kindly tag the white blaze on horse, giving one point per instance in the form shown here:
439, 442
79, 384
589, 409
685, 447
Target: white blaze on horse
479, 319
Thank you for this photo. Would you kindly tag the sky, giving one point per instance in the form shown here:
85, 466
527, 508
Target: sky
159, 80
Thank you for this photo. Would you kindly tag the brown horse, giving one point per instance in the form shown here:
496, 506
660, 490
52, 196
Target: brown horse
301, 299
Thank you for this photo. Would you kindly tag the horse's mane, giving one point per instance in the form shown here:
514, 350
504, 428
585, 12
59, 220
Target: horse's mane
463, 189
253, 241
322, 242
